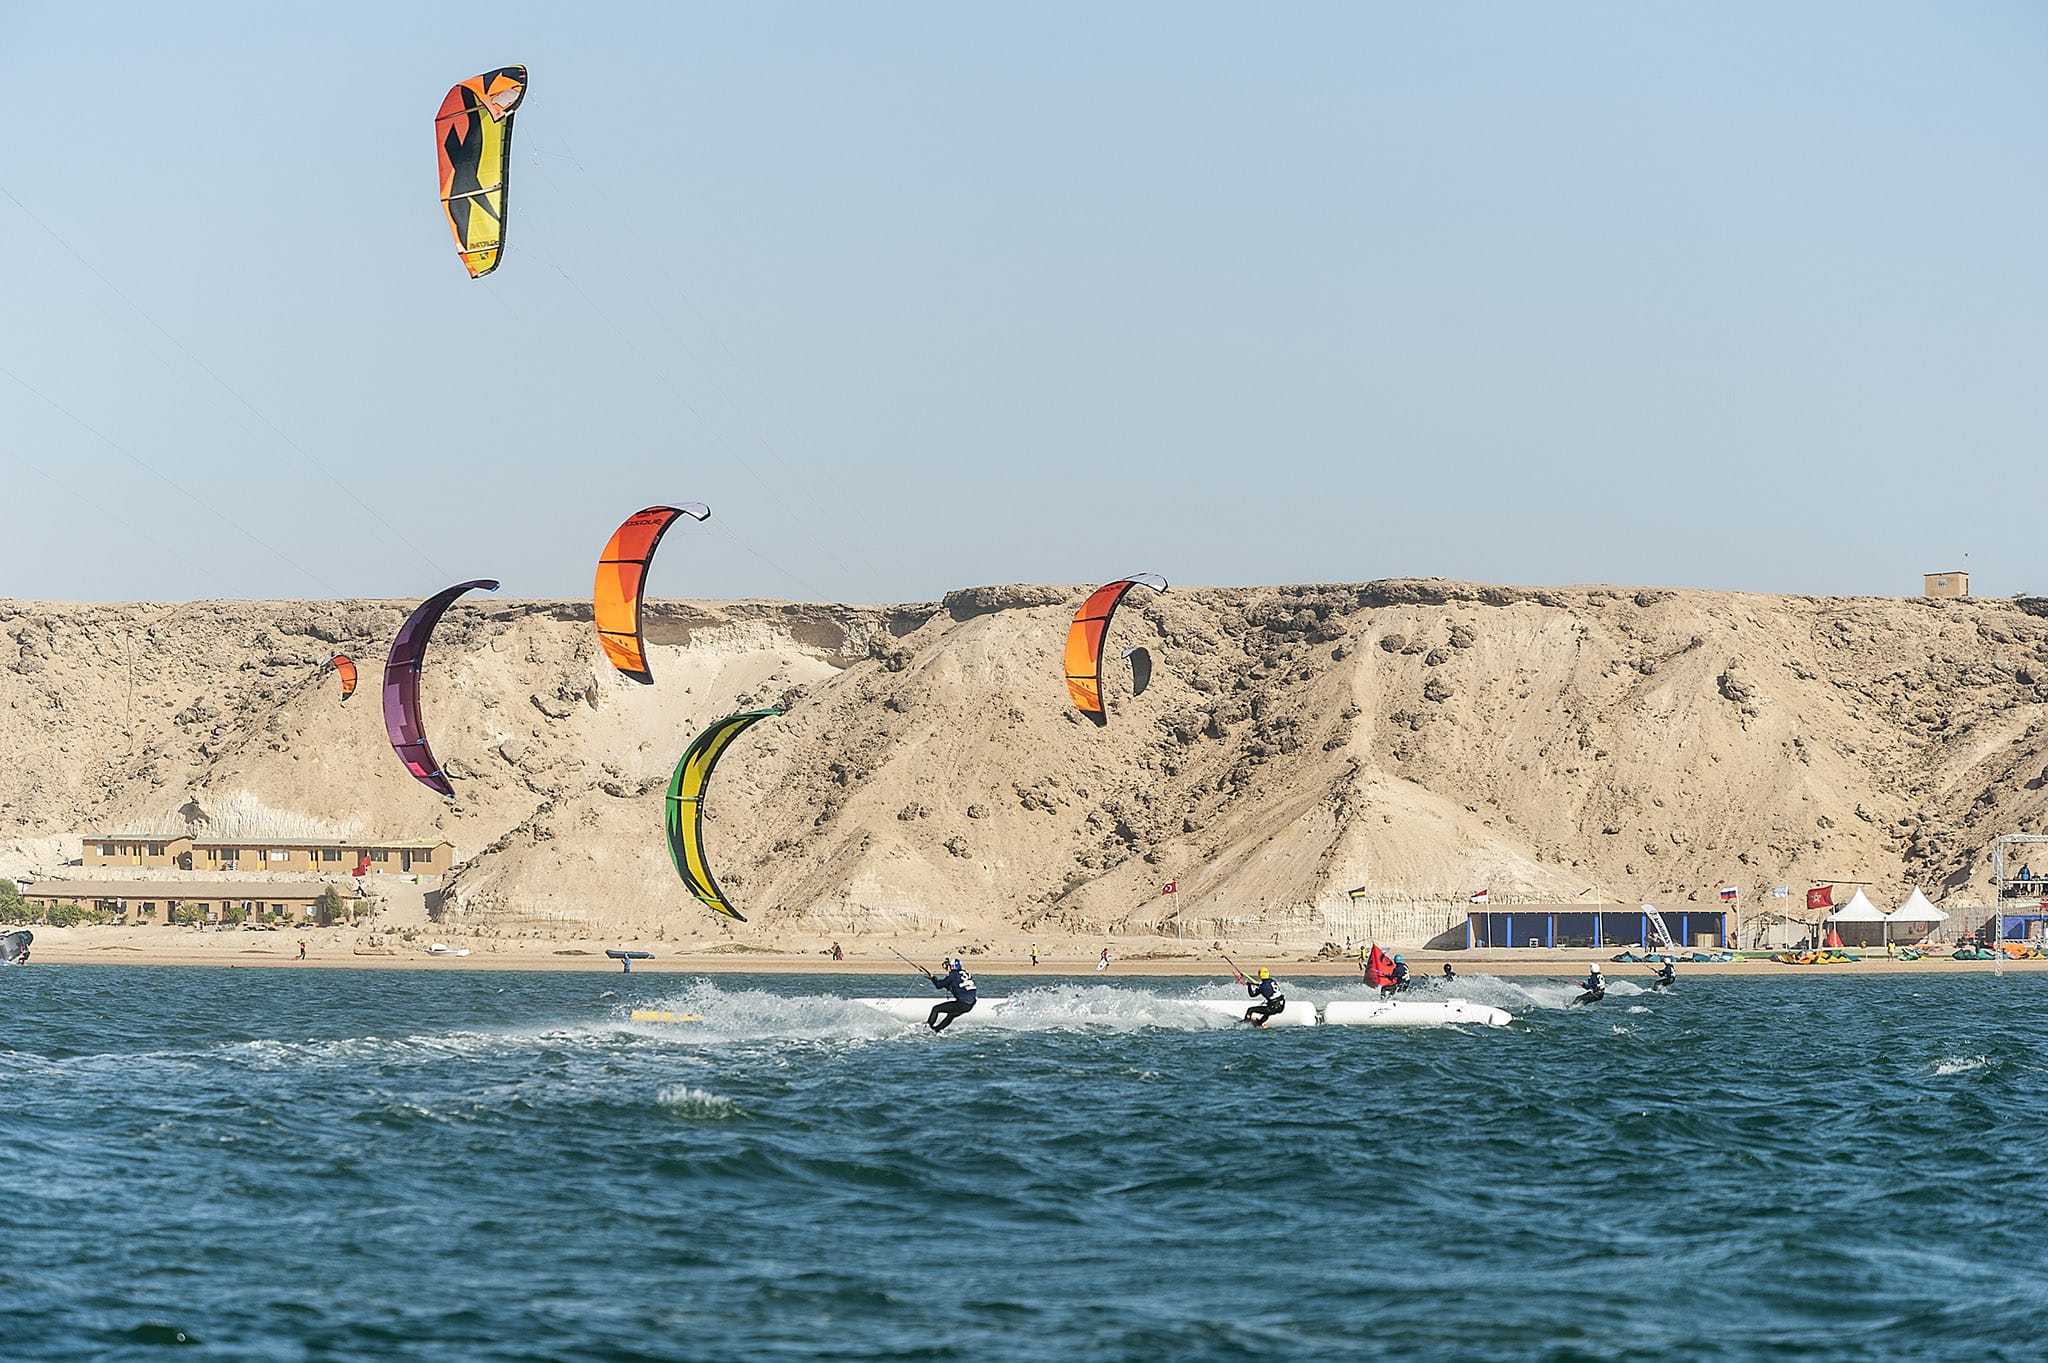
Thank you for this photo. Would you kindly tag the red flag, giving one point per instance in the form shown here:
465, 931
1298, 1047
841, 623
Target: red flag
362, 865
1171, 887
1821, 897
1379, 970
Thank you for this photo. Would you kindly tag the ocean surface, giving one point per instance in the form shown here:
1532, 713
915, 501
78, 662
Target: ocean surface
338, 1164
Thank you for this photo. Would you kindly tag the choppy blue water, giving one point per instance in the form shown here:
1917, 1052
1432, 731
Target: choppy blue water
408, 1165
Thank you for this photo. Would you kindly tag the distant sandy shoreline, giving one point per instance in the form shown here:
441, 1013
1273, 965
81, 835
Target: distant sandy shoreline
332, 950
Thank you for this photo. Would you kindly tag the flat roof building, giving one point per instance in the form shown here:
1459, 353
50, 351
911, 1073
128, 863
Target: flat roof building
1946, 584
1575, 925
214, 901
318, 856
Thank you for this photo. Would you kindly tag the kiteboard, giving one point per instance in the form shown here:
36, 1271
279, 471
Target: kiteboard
664, 1015
1411, 1013
917, 1010
1298, 1014
14, 946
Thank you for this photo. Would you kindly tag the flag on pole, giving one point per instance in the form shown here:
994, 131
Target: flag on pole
1357, 894
1821, 897
1728, 893
1479, 896
1781, 891
1170, 887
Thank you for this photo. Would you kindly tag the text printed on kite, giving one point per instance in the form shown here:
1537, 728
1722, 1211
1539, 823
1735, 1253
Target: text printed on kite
622, 584
1085, 641
684, 808
402, 718
473, 140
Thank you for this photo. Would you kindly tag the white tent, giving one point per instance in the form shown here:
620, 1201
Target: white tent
1852, 915
1914, 920
1859, 909
1918, 908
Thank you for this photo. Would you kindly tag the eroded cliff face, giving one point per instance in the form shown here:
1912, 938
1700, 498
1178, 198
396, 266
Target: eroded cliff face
1421, 738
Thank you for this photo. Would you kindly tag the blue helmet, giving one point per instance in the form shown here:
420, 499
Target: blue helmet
1397, 958
955, 963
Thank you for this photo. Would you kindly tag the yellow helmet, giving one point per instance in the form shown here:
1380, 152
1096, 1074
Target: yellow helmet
1265, 974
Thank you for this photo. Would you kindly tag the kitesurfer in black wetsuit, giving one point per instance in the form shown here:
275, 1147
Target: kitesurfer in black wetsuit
957, 982
1594, 985
1449, 974
1400, 975
1667, 975
1271, 1002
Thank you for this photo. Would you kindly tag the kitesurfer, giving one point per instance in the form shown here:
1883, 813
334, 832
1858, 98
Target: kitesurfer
1594, 986
1400, 974
1103, 964
957, 982
1667, 975
1266, 989
1449, 974
837, 954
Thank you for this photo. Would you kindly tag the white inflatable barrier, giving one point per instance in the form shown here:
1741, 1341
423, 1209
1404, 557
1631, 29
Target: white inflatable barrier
1411, 1013
1300, 1012
917, 1010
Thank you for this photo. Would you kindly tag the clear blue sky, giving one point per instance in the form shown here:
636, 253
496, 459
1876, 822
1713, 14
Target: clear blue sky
920, 296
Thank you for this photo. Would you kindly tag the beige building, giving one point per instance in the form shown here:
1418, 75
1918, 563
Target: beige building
151, 901
1947, 584
318, 857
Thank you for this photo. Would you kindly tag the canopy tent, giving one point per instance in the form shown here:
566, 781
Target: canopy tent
1859, 922
1918, 908
1914, 920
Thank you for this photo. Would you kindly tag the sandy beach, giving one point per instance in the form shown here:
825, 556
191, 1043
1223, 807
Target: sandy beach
333, 949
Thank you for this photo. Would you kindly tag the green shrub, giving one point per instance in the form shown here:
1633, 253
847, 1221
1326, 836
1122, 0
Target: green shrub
187, 913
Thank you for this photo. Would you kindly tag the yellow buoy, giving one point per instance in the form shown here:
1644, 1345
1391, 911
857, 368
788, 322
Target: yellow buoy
663, 1015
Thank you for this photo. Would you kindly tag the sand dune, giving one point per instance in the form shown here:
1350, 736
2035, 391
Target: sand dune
1420, 738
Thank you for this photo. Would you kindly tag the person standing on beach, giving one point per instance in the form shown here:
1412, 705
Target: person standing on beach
1271, 1002
1103, 964
1034, 953
957, 982
302, 948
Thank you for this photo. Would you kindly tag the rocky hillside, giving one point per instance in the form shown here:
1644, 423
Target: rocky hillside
1421, 738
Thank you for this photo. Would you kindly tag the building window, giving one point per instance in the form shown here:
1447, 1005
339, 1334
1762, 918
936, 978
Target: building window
230, 854
277, 854
156, 849
380, 855
330, 854
107, 849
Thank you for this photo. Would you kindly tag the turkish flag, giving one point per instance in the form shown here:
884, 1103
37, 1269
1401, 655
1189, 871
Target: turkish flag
1171, 887
1821, 897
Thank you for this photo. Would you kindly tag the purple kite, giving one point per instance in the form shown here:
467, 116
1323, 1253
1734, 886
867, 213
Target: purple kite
402, 686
